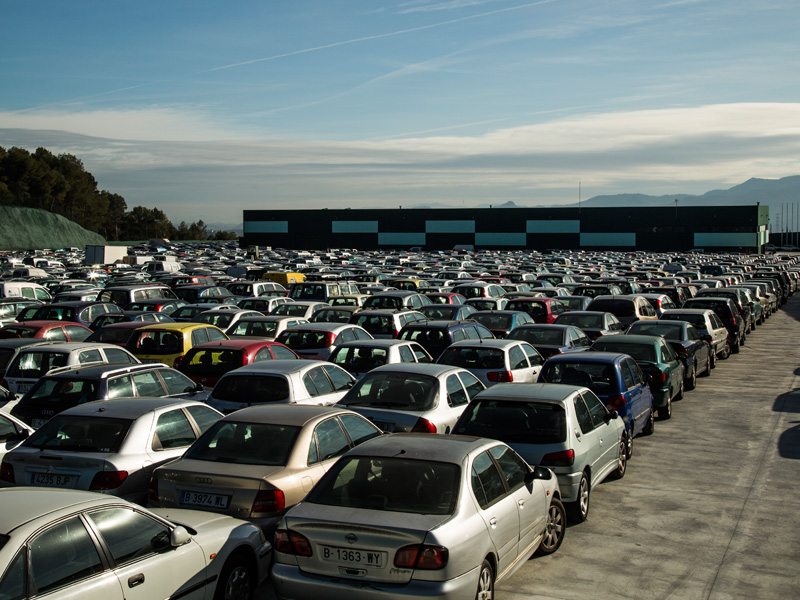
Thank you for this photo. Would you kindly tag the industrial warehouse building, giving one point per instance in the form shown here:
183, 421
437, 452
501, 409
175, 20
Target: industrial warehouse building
735, 228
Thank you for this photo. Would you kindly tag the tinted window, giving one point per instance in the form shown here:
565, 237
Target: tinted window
358, 428
513, 467
514, 422
80, 434
173, 430
330, 442
398, 391
120, 387
317, 383
13, 585
61, 555
117, 355
129, 535
255, 389
245, 443
487, 483
516, 358
582, 413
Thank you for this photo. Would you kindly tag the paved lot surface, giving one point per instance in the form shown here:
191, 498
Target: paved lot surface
710, 505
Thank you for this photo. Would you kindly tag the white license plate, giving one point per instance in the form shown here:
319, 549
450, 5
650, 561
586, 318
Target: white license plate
52, 480
352, 556
201, 499
36, 423
24, 387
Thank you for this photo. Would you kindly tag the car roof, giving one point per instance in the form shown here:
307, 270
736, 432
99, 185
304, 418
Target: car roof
631, 338
71, 346
322, 327
126, 408
284, 414
178, 327
376, 343
550, 392
587, 357
425, 446
242, 343
487, 343
95, 370
282, 367
431, 369
23, 504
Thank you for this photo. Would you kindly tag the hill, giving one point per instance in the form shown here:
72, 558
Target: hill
31, 228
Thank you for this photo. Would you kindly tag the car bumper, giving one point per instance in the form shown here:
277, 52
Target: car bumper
660, 397
290, 583
569, 483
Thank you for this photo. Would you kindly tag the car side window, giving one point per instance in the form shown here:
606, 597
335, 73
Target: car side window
90, 356
40, 294
638, 375
120, 387
487, 482
533, 356
406, 355
173, 430
341, 380
358, 428
61, 555
118, 355
627, 375
281, 352
77, 334
148, 384
347, 335
692, 333
583, 415
204, 416
456, 396
596, 408
361, 335
199, 336
513, 467
330, 442
458, 335
130, 535
484, 333
177, 383
516, 358
317, 383
12, 586
56, 335
667, 352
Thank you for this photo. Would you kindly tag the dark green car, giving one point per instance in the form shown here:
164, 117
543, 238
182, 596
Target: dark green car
657, 360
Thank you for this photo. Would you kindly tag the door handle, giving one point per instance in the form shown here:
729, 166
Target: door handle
493, 522
521, 503
577, 433
135, 580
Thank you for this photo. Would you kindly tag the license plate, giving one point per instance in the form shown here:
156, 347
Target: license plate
384, 426
352, 556
52, 480
201, 499
36, 423
24, 387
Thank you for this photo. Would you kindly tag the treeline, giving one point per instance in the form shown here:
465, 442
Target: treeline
60, 184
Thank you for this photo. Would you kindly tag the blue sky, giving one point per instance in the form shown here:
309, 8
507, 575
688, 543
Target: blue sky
207, 108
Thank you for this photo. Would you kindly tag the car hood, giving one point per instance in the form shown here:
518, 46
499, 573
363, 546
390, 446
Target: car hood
198, 520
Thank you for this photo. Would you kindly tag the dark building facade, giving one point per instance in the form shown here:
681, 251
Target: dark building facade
641, 228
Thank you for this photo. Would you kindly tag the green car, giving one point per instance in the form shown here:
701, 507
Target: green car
657, 360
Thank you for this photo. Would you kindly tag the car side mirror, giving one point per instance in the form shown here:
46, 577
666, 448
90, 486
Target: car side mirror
611, 415
538, 473
179, 537
18, 436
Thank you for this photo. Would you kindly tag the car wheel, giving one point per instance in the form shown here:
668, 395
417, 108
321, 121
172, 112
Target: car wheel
691, 381
236, 581
665, 412
650, 427
679, 394
712, 357
622, 461
485, 582
709, 365
726, 352
629, 444
735, 348
579, 510
555, 528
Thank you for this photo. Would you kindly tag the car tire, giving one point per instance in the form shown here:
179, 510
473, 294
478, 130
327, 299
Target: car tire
712, 357
554, 529
485, 582
622, 461
236, 580
735, 348
578, 511
650, 426
726, 352
679, 394
709, 365
691, 381
629, 443
665, 412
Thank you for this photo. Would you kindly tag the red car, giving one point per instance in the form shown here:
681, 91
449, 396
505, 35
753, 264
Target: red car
541, 310
446, 298
206, 363
53, 331
117, 333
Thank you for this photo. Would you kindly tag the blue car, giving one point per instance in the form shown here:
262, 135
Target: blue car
615, 378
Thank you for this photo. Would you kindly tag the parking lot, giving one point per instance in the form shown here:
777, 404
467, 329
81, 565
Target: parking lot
709, 507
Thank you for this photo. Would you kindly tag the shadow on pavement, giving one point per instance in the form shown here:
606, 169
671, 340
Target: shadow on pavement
789, 440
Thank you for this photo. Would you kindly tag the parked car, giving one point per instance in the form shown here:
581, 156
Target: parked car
280, 381
418, 516
260, 461
575, 302
727, 313
63, 388
627, 308
658, 361
263, 304
693, 351
501, 322
425, 398
386, 323
435, 336
614, 378
165, 305
223, 319
267, 327
334, 314
300, 309
52, 331
550, 339
128, 316
70, 544
187, 312
80, 312
109, 446
168, 342
116, 333
708, 325
207, 362
361, 356
396, 300
541, 310
491, 303
562, 427
478, 289
317, 341
592, 323
495, 361
447, 312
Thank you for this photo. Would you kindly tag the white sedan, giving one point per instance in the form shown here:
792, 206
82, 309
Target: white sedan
81, 545
495, 361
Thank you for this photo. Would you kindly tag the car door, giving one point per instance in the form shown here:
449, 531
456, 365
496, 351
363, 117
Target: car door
521, 370
640, 398
589, 446
498, 509
146, 565
608, 434
64, 564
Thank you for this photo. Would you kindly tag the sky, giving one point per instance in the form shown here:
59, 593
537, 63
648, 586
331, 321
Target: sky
204, 109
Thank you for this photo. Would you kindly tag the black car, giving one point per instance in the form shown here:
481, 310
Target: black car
727, 313
592, 323
435, 336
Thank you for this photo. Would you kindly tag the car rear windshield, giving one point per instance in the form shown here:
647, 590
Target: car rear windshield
155, 342
582, 321
389, 484
263, 444
535, 309
80, 434
397, 391
494, 321
255, 328
252, 389
390, 302
597, 376
620, 308
543, 337
699, 321
211, 362
444, 311
19, 331
359, 359
515, 422
31, 365
644, 352
375, 324
111, 335
671, 331
304, 340
474, 357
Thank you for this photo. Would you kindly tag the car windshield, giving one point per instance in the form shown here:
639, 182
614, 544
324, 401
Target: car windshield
303, 339
155, 342
597, 376
35, 364
252, 389
582, 321
515, 422
543, 337
389, 484
398, 391
360, 359
219, 318
263, 444
80, 434
645, 352
474, 357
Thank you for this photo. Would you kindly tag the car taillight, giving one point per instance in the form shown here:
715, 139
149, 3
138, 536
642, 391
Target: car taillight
152, 491
108, 480
421, 556
330, 338
269, 501
615, 402
659, 377
733, 321
499, 376
177, 362
565, 458
7, 473
423, 426
681, 351
291, 542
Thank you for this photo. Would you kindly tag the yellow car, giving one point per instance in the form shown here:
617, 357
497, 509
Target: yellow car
168, 342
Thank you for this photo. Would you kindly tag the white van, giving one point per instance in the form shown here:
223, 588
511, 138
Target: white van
24, 289
161, 267
29, 272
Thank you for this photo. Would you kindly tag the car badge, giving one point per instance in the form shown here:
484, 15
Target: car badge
351, 538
